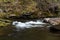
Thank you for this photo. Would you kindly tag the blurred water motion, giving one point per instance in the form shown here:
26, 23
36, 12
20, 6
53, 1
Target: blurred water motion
29, 24
32, 30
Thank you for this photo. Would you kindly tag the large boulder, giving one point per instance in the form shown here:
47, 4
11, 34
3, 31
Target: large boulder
55, 22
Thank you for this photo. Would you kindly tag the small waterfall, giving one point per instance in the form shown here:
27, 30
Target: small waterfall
29, 24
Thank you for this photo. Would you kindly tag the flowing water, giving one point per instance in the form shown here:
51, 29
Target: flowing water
31, 30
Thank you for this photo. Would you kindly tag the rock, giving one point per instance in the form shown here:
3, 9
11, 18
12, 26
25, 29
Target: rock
57, 27
53, 29
11, 15
1, 10
52, 21
55, 22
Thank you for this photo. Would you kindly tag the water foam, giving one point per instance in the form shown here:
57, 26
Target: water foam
29, 24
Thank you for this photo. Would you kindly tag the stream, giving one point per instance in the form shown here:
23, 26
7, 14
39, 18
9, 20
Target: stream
28, 24
31, 30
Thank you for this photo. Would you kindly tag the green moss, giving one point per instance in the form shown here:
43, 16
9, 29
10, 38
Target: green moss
6, 27
4, 22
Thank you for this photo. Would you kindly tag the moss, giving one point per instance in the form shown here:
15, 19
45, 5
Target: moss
6, 27
4, 22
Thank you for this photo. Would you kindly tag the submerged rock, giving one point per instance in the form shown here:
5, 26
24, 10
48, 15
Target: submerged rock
54, 29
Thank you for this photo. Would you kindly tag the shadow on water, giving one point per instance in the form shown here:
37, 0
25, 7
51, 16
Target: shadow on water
31, 34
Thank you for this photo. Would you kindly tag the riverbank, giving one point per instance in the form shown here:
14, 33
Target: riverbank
29, 8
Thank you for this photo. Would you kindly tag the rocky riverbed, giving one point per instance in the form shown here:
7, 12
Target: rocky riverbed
17, 25
28, 30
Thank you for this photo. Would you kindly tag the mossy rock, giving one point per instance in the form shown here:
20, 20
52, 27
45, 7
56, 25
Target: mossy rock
19, 7
5, 27
4, 22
